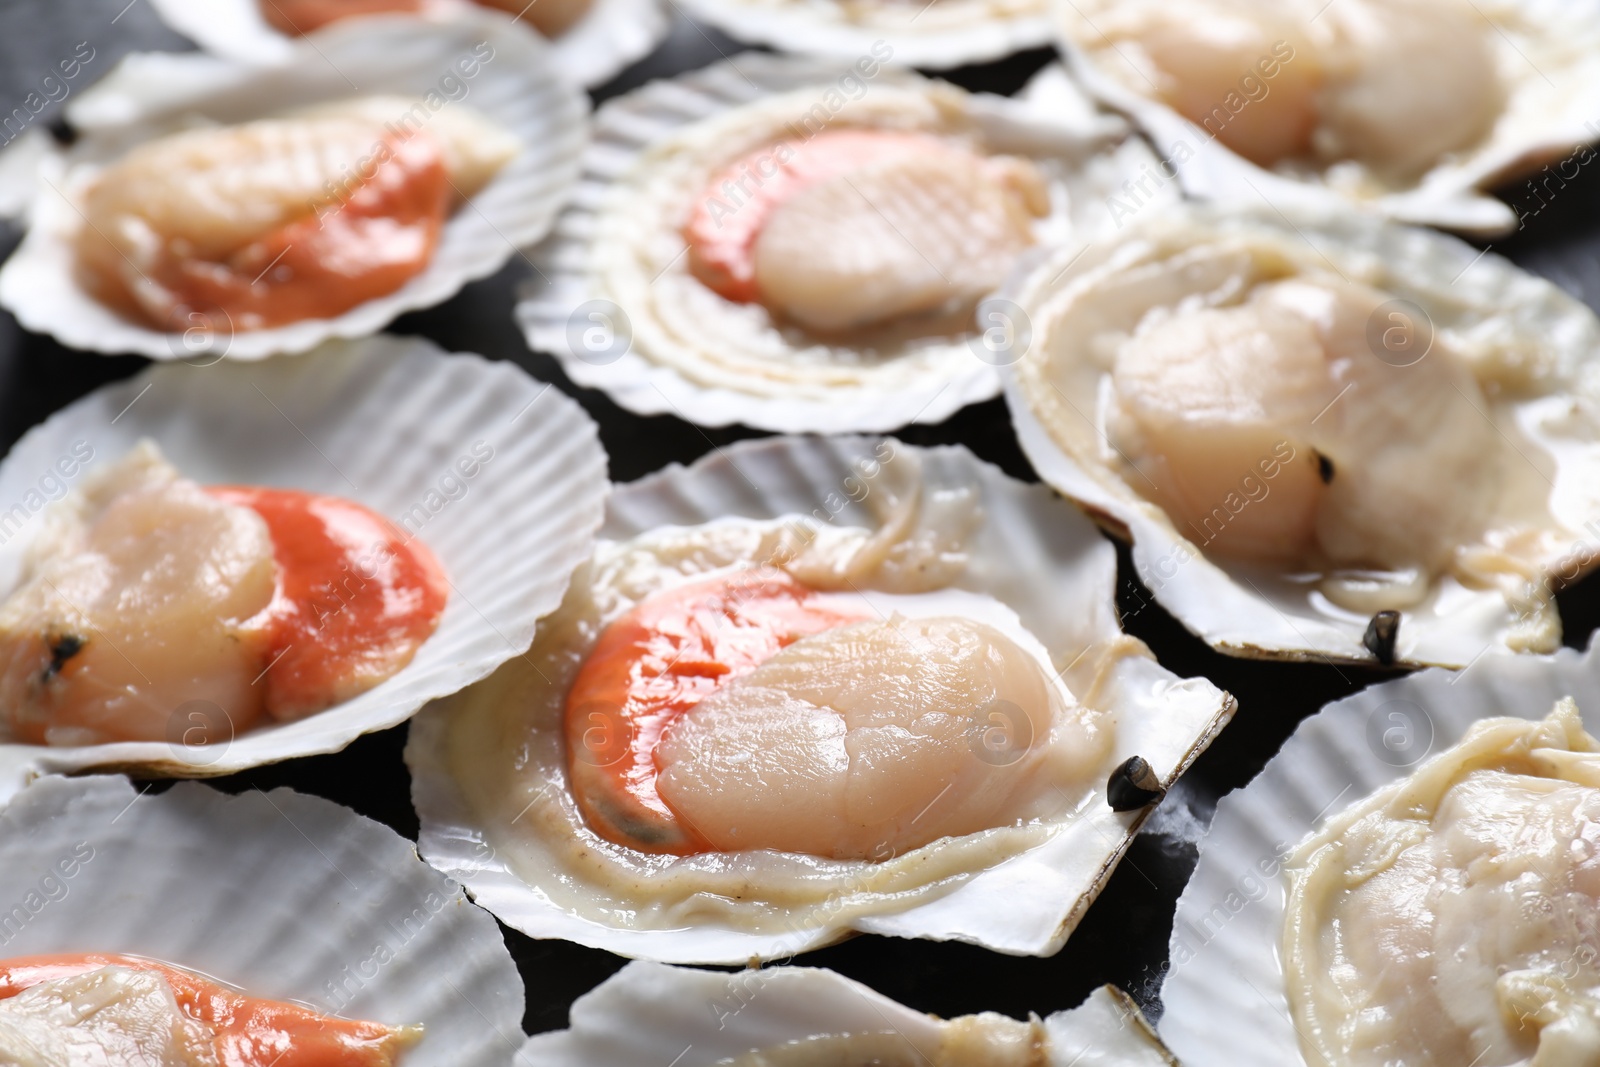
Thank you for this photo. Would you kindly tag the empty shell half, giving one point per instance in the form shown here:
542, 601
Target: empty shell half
802, 1016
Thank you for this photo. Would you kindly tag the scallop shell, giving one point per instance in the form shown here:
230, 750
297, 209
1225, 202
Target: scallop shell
1038, 556
284, 895
1452, 195
763, 1009
1224, 996
1477, 298
613, 34
929, 36
1066, 127
380, 421
151, 94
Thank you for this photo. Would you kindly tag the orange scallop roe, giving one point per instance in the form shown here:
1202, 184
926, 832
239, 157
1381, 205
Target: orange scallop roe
734, 206
296, 17
318, 266
649, 668
249, 1031
355, 597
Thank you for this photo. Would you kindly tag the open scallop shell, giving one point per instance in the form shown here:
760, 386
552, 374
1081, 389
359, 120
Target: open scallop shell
380, 421
1480, 300
151, 94
1224, 995
1087, 154
647, 1014
280, 894
1036, 555
595, 49
933, 36
1544, 123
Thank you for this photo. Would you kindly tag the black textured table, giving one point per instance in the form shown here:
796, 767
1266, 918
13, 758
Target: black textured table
1123, 938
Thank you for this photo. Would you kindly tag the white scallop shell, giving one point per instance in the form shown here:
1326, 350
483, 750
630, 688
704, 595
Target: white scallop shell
649, 1014
151, 94
1453, 194
1225, 999
934, 35
611, 35
283, 895
1030, 551
1089, 151
380, 421
1470, 296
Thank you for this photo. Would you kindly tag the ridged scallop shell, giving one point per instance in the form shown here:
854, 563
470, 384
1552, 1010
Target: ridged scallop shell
283, 895
1453, 194
595, 49
151, 94
930, 37
1224, 995
1092, 149
1034, 554
1473, 295
649, 1014
379, 421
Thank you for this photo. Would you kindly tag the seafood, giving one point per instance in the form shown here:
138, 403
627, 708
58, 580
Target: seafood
804, 248
282, 595
750, 731
1249, 397
1412, 108
147, 594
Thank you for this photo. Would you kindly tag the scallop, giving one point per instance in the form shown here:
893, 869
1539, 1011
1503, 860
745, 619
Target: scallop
276, 894
844, 743
756, 726
952, 33
1391, 899
1413, 108
591, 41
1410, 880
150, 590
1316, 427
838, 254
216, 210
802, 1016
797, 247
147, 622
